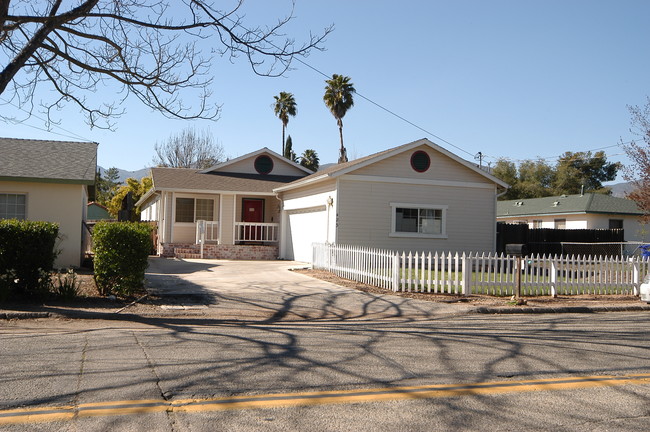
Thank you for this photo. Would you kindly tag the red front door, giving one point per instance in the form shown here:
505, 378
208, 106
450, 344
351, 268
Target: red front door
253, 211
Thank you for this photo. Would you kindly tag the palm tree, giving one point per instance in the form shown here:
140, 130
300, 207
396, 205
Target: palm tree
309, 160
338, 98
285, 106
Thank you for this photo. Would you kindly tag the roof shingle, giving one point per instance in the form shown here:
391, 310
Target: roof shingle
61, 161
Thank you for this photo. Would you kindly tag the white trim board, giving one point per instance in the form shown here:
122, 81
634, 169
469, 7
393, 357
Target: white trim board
412, 181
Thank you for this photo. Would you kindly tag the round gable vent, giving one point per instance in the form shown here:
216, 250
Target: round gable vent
263, 164
420, 161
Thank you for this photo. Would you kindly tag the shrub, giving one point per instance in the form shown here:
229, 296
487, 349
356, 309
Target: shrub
121, 252
67, 287
27, 256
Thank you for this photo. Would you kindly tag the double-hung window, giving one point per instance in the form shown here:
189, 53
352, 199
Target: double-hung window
12, 206
191, 209
418, 220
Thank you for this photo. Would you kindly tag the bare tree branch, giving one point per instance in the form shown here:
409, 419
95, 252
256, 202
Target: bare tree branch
153, 50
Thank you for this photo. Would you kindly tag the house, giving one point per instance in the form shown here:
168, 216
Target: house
228, 211
97, 212
48, 181
417, 196
582, 211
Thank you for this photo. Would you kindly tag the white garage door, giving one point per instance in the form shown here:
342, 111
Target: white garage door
306, 226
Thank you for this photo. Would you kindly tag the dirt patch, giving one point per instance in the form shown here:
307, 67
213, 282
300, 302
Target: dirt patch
481, 300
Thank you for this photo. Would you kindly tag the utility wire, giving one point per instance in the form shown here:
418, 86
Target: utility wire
72, 135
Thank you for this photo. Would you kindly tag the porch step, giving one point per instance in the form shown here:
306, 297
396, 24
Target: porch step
188, 255
186, 251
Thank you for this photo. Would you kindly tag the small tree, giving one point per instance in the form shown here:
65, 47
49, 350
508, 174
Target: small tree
189, 149
137, 190
309, 160
638, 171
288, 150
106, 185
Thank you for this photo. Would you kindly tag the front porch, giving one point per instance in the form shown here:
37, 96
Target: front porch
217, 226
217, 251
249, 241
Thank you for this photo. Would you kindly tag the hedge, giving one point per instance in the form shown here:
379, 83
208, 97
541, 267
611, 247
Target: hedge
121, 251
27, 257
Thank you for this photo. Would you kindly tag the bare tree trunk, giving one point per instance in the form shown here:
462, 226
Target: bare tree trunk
343, 154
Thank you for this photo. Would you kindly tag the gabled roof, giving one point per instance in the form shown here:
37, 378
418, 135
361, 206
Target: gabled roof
347, 167
48, 161
255, 153
568, 204
188, 179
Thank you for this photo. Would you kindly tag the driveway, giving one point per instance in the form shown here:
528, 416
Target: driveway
268, 291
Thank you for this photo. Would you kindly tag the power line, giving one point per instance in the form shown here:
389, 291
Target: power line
72, 135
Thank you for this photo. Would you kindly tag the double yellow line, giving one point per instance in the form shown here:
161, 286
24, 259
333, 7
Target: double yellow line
63, 413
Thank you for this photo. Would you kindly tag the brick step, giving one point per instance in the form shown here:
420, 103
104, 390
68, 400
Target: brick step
186, 251
188, 255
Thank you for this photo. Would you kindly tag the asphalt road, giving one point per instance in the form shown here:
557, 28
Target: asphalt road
586, 372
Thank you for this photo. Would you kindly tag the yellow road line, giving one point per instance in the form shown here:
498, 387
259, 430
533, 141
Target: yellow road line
63, 413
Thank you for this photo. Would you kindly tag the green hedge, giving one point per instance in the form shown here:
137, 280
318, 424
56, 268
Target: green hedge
121, 252
26, 257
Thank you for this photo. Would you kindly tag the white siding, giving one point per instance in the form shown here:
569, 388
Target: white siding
442, 168
364, 216
634, 229
280, 167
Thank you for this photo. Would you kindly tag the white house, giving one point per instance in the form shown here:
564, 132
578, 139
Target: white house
580, 211
48, 181
228, 211
417, 196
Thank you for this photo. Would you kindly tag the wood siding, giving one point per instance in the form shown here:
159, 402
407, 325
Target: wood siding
365, 216
442, 168
247, 166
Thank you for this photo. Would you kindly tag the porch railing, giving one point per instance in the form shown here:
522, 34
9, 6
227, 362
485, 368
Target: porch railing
256, 232
208, 231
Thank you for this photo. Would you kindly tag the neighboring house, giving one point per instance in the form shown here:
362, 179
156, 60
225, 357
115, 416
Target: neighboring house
97, 212
417, 196
587, 211
234, 198
48, 181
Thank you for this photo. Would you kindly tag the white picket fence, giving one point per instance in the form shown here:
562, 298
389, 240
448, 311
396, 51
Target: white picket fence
492, 274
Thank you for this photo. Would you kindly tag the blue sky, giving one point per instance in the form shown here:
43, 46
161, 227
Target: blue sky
515, 79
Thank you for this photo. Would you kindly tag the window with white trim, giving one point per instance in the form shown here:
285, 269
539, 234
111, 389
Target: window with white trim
13, 206
418, 220
190, 209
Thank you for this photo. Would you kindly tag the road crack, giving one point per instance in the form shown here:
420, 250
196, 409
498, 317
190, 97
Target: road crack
171, 415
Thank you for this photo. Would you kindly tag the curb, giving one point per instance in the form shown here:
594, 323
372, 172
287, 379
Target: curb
562, 309
24, 315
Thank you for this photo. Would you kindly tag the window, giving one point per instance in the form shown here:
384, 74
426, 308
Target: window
204, 209
420, 161
616, 224
418, 220
263, 164
560, 223
191, 210
537, 223
12, 206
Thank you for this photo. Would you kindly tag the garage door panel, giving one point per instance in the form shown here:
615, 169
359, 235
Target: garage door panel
306, 226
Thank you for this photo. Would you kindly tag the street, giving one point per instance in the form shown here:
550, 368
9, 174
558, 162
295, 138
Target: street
586, 372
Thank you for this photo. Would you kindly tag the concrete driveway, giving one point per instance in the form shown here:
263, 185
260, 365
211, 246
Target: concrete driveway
268, 291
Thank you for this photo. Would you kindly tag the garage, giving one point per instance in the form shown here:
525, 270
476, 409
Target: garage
305, 226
